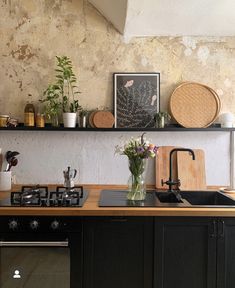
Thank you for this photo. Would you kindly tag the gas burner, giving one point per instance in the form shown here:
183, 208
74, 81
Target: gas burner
30, 195
66, 196
39, 196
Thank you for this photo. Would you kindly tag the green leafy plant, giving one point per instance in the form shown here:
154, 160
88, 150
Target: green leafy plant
52, 100
66, 82
83, 112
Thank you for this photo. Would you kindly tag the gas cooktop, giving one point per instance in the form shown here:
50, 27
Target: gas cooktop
40, 196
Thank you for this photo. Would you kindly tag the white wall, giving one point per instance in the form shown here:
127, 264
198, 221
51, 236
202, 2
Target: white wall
170, 17
44, 155
114, 11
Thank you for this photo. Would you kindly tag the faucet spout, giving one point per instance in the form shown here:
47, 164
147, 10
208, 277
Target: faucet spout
171, 182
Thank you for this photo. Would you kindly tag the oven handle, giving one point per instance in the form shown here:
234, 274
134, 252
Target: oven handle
34, 244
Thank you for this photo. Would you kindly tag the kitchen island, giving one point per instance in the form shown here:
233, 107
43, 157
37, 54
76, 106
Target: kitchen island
140, 247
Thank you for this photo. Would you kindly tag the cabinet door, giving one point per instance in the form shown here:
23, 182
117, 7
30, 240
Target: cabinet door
185, 253
118, 252
226, 253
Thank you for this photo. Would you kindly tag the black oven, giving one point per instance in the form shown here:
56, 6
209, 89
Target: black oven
40, 252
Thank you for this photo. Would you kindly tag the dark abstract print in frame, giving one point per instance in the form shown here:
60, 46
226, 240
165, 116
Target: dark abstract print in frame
136, 98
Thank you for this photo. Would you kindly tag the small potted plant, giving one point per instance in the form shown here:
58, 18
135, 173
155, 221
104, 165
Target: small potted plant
161, 118
52, 103
66, 81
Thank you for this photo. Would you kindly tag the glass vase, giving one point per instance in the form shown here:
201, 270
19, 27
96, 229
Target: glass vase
136, 182
160, 122
54, 120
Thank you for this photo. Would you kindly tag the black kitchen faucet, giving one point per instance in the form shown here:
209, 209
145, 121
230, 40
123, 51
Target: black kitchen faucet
171, 182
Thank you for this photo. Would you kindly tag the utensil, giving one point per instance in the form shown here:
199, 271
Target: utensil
11, 159
11, 154
13, 162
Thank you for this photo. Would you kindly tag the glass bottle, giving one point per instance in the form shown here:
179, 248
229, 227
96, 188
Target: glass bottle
29, 113
40, 118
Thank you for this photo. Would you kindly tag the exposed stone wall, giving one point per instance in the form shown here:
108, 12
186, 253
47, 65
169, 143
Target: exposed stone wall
33, 32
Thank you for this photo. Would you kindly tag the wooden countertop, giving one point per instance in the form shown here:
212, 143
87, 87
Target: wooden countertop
91, 208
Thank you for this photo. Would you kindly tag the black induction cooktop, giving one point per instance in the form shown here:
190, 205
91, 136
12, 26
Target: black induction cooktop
118, 198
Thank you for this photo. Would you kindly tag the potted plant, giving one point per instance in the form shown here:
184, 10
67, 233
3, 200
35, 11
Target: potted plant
161, 118
66, 82
52, 103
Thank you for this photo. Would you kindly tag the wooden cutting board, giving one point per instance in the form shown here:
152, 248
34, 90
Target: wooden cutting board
103, 119
162, 166
1, 159
191, 173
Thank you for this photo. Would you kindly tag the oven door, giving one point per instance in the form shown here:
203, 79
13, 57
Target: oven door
39, 262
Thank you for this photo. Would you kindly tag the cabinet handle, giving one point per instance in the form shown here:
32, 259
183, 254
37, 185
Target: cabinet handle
221, 234
118, 219
33, 244
213, 234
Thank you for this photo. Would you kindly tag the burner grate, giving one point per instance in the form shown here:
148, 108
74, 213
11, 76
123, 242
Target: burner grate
40, 196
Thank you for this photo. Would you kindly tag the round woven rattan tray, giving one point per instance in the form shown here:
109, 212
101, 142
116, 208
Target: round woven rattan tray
194, 105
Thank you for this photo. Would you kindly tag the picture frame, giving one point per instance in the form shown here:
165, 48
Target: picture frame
136, 99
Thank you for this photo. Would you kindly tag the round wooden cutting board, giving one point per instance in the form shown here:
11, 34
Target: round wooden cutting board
103, 119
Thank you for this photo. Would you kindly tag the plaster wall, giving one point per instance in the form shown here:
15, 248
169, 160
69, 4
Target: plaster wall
33, 32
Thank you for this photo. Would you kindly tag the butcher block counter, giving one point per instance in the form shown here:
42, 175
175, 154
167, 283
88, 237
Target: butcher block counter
91, 208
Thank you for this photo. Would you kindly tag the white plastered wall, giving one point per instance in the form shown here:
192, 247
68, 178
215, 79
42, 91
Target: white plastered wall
44, 155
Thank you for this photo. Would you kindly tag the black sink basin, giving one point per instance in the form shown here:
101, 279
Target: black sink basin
194, 199
168, 197
208, 198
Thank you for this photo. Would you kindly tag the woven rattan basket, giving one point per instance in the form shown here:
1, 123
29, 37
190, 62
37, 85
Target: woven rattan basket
194, 105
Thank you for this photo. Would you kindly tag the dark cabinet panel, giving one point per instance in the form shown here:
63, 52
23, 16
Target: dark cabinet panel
118, 252
226, 253
185, 253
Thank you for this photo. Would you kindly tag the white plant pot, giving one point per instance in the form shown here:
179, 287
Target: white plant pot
69, 120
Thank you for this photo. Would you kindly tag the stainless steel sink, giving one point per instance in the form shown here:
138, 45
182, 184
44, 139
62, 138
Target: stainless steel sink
194, 199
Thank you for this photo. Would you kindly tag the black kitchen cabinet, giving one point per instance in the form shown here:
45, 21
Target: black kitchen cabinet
226, 253
118, 252
185, 253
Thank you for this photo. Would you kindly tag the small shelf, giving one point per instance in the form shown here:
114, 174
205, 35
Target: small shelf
172, 128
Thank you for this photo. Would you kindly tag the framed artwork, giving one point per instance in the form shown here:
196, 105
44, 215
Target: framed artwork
136, 99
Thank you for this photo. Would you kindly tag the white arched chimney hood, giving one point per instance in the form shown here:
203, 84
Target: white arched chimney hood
138, 18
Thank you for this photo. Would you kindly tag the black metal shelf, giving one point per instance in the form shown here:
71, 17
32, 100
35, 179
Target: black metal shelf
48, 127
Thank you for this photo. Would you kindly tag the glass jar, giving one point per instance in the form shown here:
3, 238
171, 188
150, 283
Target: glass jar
160, 122
40, 117
54, 120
